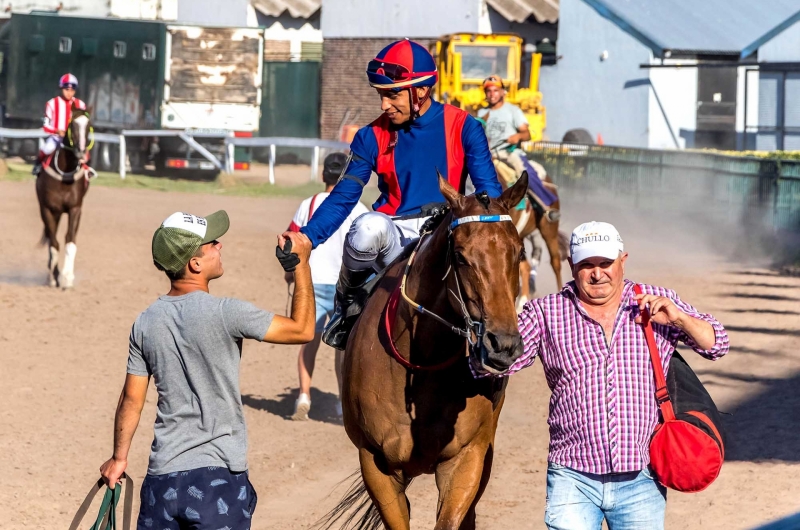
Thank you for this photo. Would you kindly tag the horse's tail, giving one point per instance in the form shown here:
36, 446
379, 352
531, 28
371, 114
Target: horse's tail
563, 245
355, 511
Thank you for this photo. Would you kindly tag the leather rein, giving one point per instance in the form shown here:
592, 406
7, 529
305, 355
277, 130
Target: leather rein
471, 328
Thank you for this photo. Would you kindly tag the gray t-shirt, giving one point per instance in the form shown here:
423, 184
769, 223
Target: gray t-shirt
192, 346
502, 123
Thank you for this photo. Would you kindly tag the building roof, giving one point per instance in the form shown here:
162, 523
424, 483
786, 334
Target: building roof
710, 27
521, 10
295, 8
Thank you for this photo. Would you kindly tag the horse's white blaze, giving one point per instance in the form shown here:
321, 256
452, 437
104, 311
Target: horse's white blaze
52, 263
68, 274
82, 122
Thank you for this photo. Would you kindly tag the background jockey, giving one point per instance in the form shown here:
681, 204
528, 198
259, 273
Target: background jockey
57, 115
405, 146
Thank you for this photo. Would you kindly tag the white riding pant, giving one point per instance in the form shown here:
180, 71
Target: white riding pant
51, 143
375, 240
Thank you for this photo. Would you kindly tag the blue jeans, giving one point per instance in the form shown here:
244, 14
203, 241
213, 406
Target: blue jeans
580, 501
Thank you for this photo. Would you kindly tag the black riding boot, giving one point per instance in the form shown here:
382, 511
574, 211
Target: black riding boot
350, 298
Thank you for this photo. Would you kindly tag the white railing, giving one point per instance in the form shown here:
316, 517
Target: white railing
272, 142
231, 142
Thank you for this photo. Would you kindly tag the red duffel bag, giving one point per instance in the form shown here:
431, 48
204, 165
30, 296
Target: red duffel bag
687, 448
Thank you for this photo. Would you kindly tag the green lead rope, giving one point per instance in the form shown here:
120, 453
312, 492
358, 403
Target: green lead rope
107, 515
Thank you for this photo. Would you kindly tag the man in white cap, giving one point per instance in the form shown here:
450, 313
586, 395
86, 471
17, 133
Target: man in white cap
602, 408
190, 342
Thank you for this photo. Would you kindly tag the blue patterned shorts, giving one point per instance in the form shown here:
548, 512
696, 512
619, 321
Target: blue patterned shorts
210, 498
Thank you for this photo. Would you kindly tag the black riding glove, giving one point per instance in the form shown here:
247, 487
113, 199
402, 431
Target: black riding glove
288, 260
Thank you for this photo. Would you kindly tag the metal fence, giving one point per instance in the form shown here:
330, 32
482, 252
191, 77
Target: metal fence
741, 189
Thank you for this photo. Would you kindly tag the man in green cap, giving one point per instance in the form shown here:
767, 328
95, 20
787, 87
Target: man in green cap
190, 342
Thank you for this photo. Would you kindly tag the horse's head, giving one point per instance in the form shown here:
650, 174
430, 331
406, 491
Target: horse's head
78, 135
485, 258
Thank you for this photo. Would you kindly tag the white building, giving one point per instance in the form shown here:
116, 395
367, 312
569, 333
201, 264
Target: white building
660, 74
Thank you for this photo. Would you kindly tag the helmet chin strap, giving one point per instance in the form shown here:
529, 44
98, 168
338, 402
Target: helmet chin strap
416, 103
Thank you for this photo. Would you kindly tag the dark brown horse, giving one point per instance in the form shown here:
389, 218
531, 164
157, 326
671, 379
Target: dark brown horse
411, 404
60, 187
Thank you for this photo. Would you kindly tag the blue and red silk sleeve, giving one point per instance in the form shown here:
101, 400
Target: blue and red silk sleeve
345, 195
479, 159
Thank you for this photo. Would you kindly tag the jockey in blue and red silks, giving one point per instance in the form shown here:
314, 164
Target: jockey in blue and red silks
413, 138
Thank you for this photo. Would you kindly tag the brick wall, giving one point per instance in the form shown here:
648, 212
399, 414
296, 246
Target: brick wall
277, 50
345, 85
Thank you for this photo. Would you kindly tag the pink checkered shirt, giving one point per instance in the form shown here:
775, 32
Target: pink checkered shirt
602, 409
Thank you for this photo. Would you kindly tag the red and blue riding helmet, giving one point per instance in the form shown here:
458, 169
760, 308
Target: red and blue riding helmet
402, 65
68, 81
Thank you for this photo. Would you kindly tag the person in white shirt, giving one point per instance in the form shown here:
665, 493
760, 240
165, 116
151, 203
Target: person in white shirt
325, 262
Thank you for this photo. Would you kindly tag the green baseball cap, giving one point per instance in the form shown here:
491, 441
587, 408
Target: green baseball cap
181, 234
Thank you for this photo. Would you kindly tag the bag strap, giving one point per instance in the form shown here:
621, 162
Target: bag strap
311, 206
107, 517
662, 394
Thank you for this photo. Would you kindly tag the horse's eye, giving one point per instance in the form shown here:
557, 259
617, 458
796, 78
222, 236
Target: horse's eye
461, 260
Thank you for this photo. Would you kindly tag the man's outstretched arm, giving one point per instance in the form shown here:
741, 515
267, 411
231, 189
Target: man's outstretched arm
345, 195
298, 328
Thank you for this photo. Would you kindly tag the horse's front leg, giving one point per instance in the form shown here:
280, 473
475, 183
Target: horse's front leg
71, 248
549, 233
50, 229
387, 491
461, 481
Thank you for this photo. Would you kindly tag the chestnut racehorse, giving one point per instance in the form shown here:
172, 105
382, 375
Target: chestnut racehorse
410, 401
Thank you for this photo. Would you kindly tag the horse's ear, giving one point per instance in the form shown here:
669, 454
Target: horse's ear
449, 192
514, 195
89, 110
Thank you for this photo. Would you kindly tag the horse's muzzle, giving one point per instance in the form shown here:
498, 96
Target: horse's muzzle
499, 351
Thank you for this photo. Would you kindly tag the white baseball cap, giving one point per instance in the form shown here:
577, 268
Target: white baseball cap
594, 239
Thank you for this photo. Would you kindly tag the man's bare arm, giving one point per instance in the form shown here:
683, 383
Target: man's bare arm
299, 327
129, 411
523, 135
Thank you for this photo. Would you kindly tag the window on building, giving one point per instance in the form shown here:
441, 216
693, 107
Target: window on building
65, 45
120, 49
149, 52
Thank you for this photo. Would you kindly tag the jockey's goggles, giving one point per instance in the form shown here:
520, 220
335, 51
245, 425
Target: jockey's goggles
394, 76
493, 80
69, 85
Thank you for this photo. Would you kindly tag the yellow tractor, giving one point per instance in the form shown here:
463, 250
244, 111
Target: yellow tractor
464, 60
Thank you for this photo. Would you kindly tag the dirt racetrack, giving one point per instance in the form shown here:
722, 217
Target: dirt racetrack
63, 357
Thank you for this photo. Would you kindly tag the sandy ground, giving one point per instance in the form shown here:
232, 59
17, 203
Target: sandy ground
63, 360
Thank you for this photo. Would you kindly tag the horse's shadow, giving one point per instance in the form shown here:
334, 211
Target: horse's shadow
323, 405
